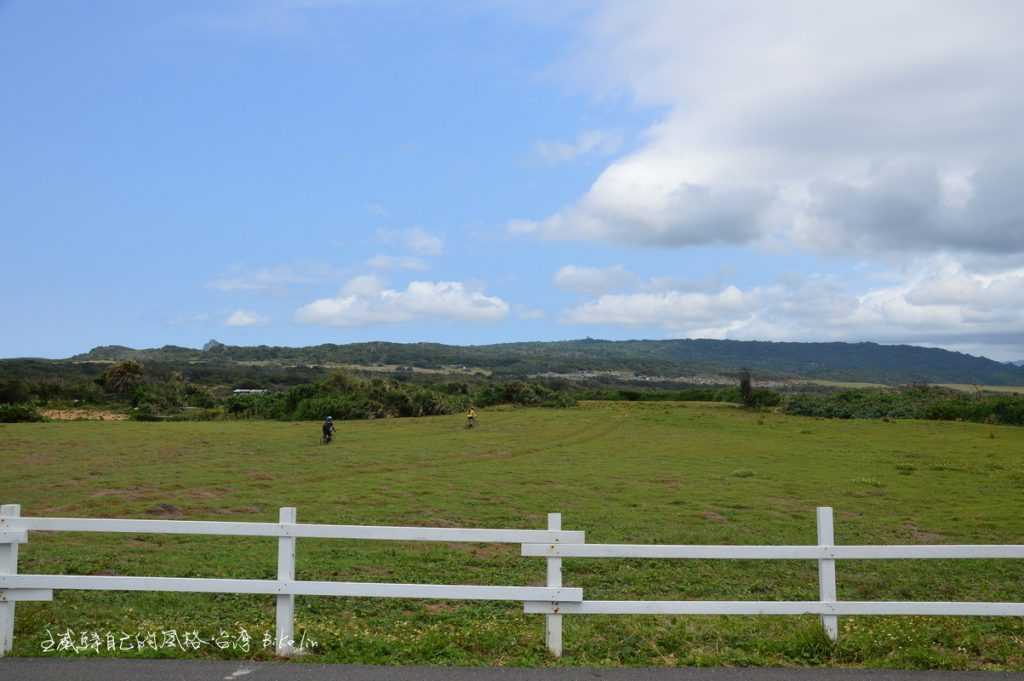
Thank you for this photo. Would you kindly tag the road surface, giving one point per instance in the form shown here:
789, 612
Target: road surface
71, 669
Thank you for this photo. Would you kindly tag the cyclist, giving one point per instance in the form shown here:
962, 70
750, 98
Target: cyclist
328, 430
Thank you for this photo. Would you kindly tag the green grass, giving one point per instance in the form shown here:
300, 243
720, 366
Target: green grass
623, 472
963, 387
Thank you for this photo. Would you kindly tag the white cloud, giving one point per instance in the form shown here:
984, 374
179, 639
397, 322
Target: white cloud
935, 302
526, 312
599, 280
364, 301
587, 142
275, 279
396, 262
366, 285
885, 125
673, 310
594, 280
246, 318
416, 239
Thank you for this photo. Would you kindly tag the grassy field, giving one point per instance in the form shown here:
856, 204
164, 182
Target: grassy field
623, 472
962, 387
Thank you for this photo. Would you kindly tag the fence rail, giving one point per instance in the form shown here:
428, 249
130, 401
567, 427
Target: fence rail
755, 552
779, 608
552, 600
14, 530
293, 529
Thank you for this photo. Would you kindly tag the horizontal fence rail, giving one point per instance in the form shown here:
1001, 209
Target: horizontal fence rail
828, 607
14, 530
795, 552
553, 544
778, 608
312, 531
294, 588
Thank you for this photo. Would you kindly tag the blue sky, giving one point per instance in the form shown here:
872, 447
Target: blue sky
287, 172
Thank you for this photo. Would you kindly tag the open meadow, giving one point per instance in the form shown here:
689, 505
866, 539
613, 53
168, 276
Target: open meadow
623, 472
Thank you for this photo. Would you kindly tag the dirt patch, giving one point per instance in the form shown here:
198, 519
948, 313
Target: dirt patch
82, 415
435, 608
483, 550
164, 510
241, 510
133, 493
919, 535
714, 517
491, 550
214, 493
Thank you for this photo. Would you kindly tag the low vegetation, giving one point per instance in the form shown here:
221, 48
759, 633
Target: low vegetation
636, 472
19, 413
914, 402
129, 385
150, 395
586, 358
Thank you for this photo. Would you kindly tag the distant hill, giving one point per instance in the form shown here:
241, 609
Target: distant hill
867, 362
1018, 363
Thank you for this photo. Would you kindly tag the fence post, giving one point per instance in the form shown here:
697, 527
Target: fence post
827, 571
553, 623
285, 625
8, 566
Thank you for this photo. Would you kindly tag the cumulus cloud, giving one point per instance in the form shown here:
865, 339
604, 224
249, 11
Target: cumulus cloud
914, 206
365, 301
594, 280
637, 202
877, 127
526, 312
674, 310
246, 318
600, 142
274, 279
416, 239
396, 262
616, 278
937, 302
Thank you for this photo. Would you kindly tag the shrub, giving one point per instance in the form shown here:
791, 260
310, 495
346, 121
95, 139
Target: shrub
19, 413
762, 397
198, 396
14, 391
523, 394
341, 407
920, 402
123, 377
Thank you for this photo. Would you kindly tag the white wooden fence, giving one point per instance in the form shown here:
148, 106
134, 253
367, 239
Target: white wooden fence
553, 600
21, 587
826, 552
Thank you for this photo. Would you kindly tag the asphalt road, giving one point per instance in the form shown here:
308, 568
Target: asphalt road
66, 669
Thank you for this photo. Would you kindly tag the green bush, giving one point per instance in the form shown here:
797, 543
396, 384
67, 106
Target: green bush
917, 402
19, 413
14, 391
522, 393
123, 377
341, 407
761, 398
198, 396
